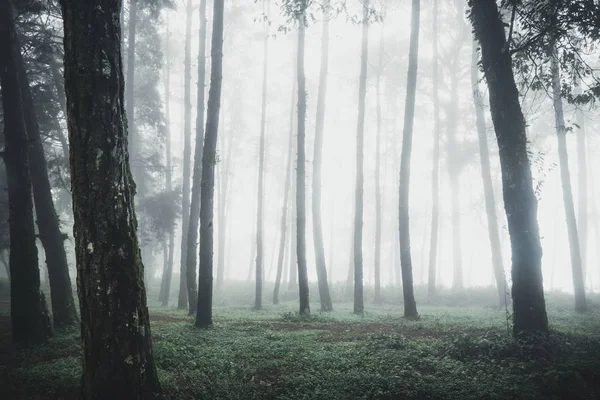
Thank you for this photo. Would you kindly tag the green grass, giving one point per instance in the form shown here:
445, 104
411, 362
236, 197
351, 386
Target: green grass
451, 353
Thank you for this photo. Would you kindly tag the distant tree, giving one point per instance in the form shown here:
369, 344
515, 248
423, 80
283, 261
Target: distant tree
519, 198
410, 306
209, 160
324, 295
117, 347
31, 323
378, 175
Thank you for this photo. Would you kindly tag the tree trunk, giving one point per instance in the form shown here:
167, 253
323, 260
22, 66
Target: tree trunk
519, 198
582, 182
435, 175
187, 150
286, 195
209, 160
301, 169
488, 190
378, 177
61, 292
293, 267
410, 306
115, 327
324, 295
57, 78
31, 323
359, 194
194, 216
222, 208
567, 191
261, 173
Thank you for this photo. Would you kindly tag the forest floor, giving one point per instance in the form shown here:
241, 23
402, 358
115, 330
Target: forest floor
451, 353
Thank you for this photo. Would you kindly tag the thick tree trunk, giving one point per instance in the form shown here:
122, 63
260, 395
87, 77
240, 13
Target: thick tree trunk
286, 195
519, 198
115, 326
410, 306
567, 191
209, 160
301, 169
435, 174
31, 323
488, 189
187, 155
194, 216
378, 178
261, 174
324, 295
359, 306
61, 292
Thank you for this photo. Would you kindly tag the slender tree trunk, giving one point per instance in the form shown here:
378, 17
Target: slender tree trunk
261, 174
222, 208
194, 216
410, 306
61, 292
301, 168
519, 198
582, 182
57, 78
134, 142
117, 348
31, 323
324, 295
293, 278
187, 155
378, 178
488, 189
209, 160
567, 191
286, 195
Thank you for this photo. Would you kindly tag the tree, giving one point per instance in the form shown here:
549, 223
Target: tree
410, 306
115, 327
435, 174
187, 155
30, 319
359, 188
261, 170
209, 160
317, 161
529, 306
194, 217
488, 189
378, 176
565, 178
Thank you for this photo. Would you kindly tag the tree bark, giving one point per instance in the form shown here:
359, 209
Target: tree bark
115, 327
529, 306
488, 189
324, 295
567, 191
301, 167
378, 177
410, 306
359, 188
61, 292
187, 155
194, 216
209, 160
30, 319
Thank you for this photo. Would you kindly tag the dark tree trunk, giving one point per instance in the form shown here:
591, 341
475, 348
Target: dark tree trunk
31, 323
209, 160
187, 155
359, 306
324, 295
378, 177
567, 191
301, 168
286, 194
261, 175
519, 198
61, 292
435, 175
194, 216
410, 306
488, 189
115, 328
